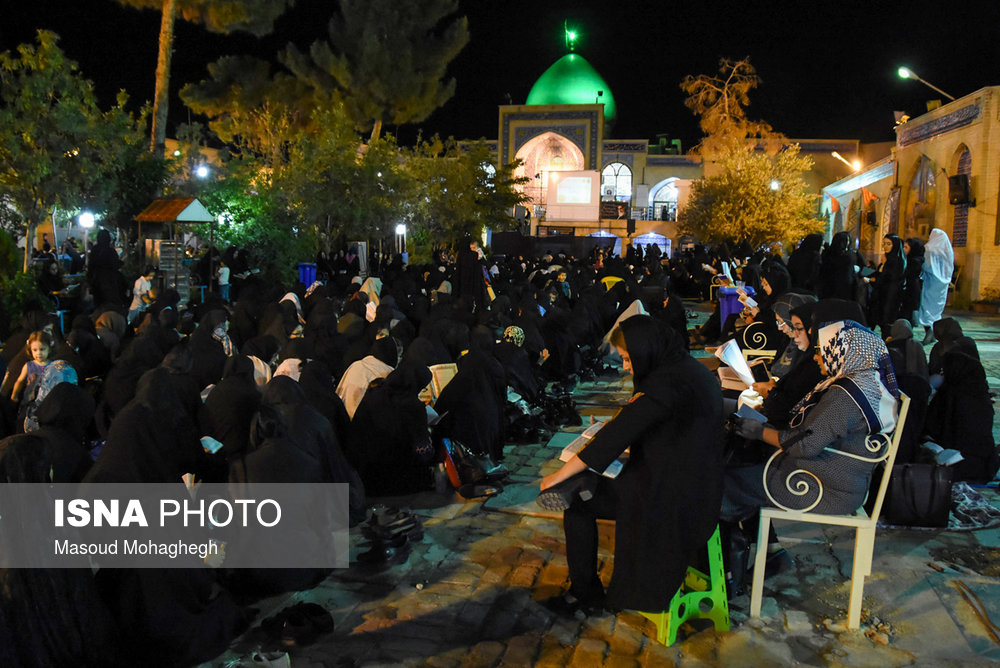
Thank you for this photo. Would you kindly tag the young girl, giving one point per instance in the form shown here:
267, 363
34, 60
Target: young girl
39, 347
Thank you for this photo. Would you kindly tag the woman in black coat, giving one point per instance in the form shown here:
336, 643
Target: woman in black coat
838, 278
804, 263
666, 500
887, 296
912, 282
960, 417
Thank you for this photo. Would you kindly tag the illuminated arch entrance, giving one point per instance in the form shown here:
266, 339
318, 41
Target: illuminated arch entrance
548, 152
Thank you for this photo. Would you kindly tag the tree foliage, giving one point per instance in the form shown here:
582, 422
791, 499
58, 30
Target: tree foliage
220, 16
720, 103
460, 191
387, 58
59, 150
753, 188
252, 108
755, 197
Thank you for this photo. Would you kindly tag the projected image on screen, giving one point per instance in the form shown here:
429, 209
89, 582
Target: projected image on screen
573, 190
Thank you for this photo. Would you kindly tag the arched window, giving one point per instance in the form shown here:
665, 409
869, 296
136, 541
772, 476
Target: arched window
960, 222
922, 200
664, 201
616, 183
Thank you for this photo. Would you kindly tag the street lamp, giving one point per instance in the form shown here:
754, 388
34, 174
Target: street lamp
86, 220
907, 73
401, 238
201, 171
855, 164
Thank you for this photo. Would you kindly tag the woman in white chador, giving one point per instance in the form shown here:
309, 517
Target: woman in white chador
939, 264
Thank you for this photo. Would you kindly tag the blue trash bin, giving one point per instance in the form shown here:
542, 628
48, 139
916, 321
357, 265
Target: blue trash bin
307, 273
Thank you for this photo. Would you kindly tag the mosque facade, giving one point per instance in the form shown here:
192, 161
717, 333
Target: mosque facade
943, 172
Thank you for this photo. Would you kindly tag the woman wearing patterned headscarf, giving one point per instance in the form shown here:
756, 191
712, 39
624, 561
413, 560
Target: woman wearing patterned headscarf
829, 432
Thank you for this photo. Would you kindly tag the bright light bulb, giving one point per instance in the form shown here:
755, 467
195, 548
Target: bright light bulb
904, 73
400, 229
86, 219
201, 171
856, 165
775, 185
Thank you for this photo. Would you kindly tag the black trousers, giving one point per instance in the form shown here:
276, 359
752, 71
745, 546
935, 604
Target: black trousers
580, 527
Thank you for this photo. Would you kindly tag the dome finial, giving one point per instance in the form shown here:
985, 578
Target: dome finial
571, 36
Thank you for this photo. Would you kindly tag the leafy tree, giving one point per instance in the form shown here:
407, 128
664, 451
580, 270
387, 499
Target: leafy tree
753, 187
58, 150
720, 102
387, 58
460, 191
756, 197
220, 16
251, 108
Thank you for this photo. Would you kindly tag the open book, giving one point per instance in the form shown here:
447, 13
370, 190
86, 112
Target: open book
736, 375
577, 444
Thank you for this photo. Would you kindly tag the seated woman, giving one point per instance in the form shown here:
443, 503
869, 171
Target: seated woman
960, 417
665, 501
832, 424
796, 369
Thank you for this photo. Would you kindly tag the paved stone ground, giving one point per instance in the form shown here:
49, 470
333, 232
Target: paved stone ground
467, 595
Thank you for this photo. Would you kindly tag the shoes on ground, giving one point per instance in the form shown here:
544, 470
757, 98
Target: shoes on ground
567, 605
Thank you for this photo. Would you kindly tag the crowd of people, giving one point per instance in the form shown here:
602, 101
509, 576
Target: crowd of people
296, 383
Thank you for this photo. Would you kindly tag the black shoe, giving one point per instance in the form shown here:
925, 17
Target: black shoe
561, 496
569, 606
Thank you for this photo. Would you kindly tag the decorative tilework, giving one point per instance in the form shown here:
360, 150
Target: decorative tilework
624, 159
624, 147
670, 161
960, 223
561, 121
956, 119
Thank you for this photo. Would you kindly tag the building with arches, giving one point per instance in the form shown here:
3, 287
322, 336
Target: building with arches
944, 172
582, 182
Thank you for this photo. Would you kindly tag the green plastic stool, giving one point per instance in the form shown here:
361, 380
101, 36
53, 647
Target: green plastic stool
698, 589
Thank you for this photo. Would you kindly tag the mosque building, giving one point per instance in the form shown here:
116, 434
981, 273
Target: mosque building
942, 174
584, 183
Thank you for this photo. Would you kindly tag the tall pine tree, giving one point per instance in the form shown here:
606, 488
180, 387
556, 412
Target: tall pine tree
388, 59
221, 16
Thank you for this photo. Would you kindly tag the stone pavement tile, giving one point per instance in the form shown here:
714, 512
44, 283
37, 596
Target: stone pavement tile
589, 652
484, 654
552, 653
523, 576
521, 650
626, 640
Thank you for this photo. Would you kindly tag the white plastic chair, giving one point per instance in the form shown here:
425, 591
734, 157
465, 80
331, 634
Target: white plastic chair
864, 526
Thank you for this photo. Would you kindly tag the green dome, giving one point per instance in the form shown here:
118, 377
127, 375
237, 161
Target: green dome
572, 80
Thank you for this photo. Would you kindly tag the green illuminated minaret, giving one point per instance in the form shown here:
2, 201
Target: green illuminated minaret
572, 80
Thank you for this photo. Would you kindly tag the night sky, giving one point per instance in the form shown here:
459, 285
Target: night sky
828, 69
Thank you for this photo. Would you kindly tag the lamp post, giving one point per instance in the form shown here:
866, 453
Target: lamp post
907, 73
86, 221
855, 165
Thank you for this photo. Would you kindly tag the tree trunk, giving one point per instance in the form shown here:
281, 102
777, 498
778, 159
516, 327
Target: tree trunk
29, 244
161, 99
376, 131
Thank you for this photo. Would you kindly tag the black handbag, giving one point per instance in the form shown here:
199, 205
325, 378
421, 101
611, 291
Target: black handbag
919, 495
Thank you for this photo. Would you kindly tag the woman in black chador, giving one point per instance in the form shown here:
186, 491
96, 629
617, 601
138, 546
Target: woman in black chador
887, 297
666, 500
